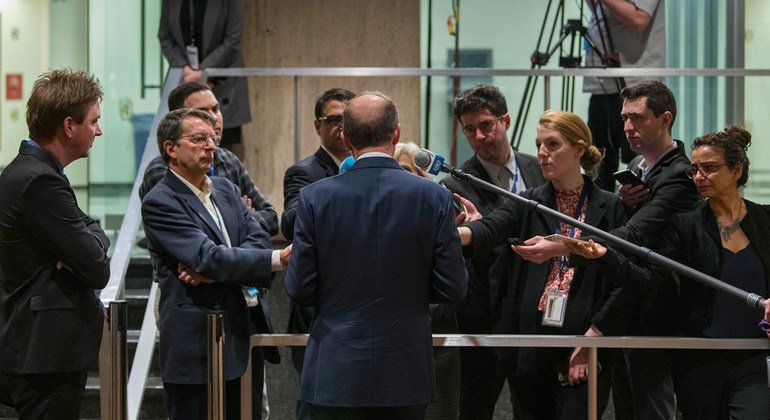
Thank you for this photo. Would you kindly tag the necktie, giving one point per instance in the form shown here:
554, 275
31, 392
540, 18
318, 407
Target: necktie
504, 178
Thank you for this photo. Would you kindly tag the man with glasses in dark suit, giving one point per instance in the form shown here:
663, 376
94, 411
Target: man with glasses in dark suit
325, 162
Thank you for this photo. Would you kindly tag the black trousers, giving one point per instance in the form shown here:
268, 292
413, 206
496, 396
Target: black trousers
415, 412
607, 132
44, 396
481, 385
720, 384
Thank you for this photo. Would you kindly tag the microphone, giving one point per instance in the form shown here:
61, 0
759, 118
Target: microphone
430, 162
347, 164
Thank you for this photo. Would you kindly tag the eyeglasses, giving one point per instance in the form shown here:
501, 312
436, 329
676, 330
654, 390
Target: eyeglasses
704, 168
333, 120
200, 140
485, 126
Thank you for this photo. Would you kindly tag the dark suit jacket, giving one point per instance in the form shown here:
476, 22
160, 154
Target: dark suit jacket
222, 25
179, 229
480, 311
646, 309
50, 320
372, 248
303, 173
590, 291
671, 192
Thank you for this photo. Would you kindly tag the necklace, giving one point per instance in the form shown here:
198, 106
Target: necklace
725, 231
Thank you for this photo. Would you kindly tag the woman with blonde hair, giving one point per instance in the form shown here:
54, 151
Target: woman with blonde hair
549, 382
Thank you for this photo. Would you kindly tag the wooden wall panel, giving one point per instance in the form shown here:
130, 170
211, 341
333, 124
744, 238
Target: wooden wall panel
321, 33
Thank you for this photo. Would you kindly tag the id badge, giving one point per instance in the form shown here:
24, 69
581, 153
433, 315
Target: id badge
251, 295
192, 57
555, 308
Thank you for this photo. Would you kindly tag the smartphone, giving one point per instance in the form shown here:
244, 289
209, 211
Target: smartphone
458, 205
516, 241
626, 176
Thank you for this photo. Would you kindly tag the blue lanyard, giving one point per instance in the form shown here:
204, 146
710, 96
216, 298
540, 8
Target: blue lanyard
515, 178
211, 172
557, 230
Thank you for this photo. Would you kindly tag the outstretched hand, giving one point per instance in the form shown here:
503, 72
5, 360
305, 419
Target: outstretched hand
539, 250
589, 250
285, 255
469, 213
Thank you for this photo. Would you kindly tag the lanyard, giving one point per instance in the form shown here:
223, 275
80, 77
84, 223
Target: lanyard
557, 230
515, 178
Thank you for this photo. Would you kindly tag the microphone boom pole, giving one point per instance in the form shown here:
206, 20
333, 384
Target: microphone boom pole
751, 299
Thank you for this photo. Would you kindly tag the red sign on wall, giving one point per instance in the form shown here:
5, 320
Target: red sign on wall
13, 85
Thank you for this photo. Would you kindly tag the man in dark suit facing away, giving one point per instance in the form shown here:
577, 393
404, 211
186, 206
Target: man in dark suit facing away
52, 255
210, 254
325, 162
372, 248
483, 114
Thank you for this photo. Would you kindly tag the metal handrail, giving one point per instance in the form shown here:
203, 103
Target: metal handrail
476, 72
121, 255
514, 340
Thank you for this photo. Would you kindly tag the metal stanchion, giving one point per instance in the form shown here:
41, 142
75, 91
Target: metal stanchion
118, 363
216, 383
593, 386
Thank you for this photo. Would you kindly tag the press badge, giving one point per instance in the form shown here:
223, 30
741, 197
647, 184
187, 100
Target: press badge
192, 57
251, 295
555, 307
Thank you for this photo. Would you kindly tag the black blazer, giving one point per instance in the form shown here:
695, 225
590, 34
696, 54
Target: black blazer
589, 291
693, 239
671, 192
480, 311
50, 320
180, 229
303, 173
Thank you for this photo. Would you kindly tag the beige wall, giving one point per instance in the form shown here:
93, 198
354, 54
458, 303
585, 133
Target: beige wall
321, 33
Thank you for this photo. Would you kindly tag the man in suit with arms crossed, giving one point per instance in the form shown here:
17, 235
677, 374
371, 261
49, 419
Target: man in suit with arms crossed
52, 255
227, 165
208, 247
483, 114
325, 162
372, 248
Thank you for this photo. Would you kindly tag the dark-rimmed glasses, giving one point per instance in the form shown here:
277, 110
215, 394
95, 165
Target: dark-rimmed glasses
333, 120
704, 168
486, 127
201, 139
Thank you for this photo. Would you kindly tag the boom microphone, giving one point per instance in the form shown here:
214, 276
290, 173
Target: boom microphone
430, 162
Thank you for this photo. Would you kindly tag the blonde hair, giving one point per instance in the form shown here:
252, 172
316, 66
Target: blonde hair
576, 132
410, 150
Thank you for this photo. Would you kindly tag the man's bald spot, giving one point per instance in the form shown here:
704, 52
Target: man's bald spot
366, 107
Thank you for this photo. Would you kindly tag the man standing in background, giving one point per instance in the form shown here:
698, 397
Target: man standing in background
630, 34
52, 255
483, 114
325, 162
